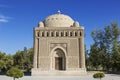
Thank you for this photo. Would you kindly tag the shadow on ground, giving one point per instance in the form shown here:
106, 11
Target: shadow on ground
25, 73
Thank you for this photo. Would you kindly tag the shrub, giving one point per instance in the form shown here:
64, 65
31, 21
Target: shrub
15, 73
99, 75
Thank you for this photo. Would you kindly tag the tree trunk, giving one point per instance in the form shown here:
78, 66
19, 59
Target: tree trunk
13, 78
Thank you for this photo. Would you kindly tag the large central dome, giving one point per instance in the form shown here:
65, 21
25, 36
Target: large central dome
58, 20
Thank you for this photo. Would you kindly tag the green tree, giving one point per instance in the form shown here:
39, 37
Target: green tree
87, 59
5, 61
105, 51
2, 55
29, 59
24, 59
108, 46
98, 75
19, 59
2, 65
115, 48
15, 73
94, 57
97, 51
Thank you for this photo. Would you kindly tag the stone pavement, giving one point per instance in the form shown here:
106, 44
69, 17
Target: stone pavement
85, 77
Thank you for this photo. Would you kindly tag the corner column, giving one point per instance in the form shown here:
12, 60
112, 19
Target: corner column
82, 52
35, 50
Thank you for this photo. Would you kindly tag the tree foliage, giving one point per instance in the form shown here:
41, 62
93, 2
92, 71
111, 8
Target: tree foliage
5, 61
15, 73
105, 51
22, 59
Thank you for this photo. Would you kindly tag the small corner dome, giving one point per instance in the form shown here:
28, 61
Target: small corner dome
40, 24
58, 20
76, 24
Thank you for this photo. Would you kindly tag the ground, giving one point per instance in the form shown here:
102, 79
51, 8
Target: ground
85, 77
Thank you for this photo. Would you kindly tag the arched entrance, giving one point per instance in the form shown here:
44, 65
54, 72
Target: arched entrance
59, 59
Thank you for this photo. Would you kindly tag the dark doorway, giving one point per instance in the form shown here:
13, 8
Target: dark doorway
59, 63
59, 59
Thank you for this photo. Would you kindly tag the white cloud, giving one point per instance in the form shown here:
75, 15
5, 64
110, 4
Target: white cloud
4, 19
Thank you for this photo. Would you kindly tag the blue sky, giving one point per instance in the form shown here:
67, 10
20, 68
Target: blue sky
19, 17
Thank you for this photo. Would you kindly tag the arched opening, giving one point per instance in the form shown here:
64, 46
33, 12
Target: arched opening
57, 34
70, 33
38, 34
62, 34
59, 59
80, 33
47, 34
66, 34
52, 34
42, 34
75, 33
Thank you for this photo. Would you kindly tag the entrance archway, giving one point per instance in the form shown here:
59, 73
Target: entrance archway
59, 59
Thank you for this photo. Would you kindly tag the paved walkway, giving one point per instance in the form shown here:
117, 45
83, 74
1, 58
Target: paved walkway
86, 77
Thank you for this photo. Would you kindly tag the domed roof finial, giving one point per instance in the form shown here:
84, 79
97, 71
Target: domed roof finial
58, 20
59, 12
